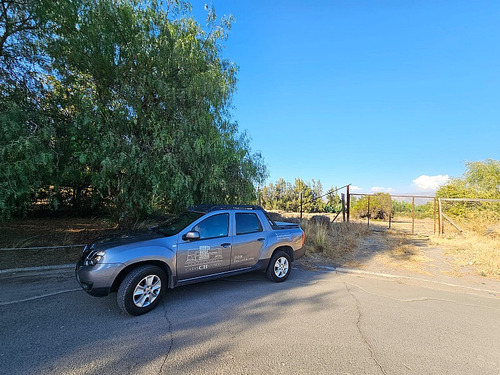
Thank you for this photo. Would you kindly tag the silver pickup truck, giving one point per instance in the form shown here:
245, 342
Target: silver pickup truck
205, 242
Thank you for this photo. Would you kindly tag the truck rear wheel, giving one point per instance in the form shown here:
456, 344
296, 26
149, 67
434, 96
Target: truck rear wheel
141, 290
279, 267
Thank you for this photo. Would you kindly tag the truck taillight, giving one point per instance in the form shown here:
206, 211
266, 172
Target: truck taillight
303, 238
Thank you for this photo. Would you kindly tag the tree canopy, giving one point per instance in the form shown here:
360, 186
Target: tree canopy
481, 179
282, 195
125, 103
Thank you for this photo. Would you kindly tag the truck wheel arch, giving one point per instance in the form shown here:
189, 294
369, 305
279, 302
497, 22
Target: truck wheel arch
286, 249
123, 273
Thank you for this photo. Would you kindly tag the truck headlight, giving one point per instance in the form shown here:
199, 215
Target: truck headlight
93, 258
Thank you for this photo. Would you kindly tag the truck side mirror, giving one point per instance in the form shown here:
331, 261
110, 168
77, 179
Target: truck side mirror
191, 236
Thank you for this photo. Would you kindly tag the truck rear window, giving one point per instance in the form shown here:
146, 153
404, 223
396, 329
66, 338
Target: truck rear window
247, 223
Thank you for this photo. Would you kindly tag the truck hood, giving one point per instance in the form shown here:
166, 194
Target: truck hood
105, 243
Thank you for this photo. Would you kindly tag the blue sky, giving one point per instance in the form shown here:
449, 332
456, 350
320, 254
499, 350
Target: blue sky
373, 93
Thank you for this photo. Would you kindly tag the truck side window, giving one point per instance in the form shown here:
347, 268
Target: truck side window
247, 223
213, 227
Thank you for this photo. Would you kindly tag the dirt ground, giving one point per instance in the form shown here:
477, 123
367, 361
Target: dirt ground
393, 251
31, 233
469, 257
396, 251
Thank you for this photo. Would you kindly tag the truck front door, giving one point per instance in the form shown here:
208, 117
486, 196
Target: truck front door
209, 254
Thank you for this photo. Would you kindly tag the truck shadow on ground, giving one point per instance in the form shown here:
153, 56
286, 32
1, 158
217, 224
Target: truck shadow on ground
194, 325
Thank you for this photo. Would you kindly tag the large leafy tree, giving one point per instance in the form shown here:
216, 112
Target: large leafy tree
26, 158
138, 99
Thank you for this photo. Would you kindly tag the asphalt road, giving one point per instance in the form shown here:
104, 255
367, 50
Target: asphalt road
315, 323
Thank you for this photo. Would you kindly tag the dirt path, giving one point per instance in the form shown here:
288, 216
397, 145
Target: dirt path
414, 256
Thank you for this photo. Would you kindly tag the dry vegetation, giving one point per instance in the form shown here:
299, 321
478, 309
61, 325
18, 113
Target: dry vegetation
478, 245
325, 239
53, 231
349, 244
476, 250
334, 240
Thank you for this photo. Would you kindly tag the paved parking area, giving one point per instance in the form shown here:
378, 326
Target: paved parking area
316, 322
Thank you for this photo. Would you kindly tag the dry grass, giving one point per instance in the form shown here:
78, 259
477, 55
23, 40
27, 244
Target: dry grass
39, 257
334, 240
401, 246
476, 250
473, 250
52, 231
478, 246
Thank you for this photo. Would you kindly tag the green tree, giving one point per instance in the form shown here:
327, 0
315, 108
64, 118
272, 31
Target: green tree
282, 195
27, 157
481, 179
379, 206
135, 106
333, 203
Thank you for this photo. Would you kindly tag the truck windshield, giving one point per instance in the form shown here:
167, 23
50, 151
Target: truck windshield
178, 223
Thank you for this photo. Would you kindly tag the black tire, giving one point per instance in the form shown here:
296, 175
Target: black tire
276, 268
138, 279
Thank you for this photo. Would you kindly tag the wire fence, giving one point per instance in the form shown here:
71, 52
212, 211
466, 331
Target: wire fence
41, 247
409, 213
469, 214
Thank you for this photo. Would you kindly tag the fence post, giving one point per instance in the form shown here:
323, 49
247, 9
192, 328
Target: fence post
412, 215
300, 205
440, 217
343, 206
390, 211
348, 204
434, 216
368, 211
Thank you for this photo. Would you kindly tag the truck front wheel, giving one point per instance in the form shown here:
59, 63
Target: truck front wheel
141, 290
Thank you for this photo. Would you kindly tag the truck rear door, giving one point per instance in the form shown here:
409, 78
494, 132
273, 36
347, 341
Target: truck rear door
248, 240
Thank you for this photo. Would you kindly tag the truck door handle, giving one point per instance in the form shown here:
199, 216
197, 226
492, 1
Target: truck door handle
227, 244
261, 239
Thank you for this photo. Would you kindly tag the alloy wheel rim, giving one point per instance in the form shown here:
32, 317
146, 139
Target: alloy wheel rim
281, 267
147, 291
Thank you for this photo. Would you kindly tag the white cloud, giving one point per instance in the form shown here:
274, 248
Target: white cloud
381, 189
430, 183
354, 188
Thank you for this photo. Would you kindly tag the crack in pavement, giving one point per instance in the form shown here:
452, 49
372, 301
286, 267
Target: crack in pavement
420, 299
372, 353
171, 337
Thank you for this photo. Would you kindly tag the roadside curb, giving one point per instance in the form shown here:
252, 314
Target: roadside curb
389, 276
34, 269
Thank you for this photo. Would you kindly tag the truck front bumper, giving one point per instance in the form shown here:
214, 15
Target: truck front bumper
97, 280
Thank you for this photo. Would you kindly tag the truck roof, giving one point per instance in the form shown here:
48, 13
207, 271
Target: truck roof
205, 208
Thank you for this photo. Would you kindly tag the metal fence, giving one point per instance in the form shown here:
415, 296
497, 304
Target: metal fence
381, 211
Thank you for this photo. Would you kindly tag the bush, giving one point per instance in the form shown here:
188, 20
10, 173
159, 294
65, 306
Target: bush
380, 206
320, 219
